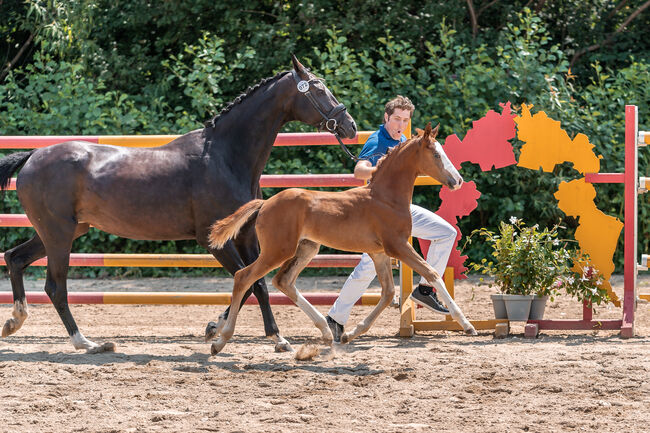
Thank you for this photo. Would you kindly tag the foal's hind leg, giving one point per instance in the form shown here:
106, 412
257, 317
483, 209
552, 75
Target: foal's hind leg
248, 248
385, 276
58, 243
232, 261
243, 279
285, 281
17, 259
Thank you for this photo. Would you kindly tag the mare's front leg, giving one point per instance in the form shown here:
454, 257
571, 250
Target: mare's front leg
402, 250
385, 276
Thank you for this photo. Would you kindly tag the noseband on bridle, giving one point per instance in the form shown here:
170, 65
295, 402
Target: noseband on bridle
329, 121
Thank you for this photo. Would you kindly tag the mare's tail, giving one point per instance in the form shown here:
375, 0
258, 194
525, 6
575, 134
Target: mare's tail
9, 165
228, 228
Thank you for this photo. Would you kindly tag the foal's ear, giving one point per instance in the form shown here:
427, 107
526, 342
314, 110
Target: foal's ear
299, 68
434, 133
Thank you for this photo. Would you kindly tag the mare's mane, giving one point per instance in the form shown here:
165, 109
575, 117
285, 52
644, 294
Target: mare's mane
238, 100
390, 153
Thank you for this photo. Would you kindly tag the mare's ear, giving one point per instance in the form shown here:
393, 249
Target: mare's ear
419, 132
299, 68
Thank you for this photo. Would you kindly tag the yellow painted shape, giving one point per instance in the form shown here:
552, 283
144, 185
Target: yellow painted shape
597, 233
547, 144
137, 140
163, 260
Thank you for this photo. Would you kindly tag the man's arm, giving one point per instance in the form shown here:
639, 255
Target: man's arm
364, 170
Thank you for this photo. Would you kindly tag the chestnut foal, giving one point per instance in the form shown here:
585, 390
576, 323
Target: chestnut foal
374, 218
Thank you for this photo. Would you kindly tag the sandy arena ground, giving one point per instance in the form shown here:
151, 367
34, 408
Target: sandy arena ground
162, 378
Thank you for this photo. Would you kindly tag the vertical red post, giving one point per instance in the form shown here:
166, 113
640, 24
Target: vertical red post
630, 216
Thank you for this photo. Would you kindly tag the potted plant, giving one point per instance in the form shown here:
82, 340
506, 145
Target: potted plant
532, 265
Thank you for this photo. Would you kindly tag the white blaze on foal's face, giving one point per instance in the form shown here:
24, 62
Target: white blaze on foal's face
449, 167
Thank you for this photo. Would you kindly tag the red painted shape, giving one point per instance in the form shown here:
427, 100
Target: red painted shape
487, 143
455, 204
37, 141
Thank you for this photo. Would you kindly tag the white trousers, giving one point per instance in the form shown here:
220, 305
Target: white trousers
426, 225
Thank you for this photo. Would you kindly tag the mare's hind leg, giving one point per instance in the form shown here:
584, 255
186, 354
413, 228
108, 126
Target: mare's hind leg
385, 276
243, 279
17, 259
285, 281
58, 243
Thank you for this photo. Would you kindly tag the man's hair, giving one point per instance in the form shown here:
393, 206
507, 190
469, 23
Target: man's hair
401, 102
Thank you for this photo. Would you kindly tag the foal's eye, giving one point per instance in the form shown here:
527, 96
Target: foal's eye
437, 155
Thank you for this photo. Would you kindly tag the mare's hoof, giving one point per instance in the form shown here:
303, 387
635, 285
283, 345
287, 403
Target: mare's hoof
9, 328
283, 347
106, 347
471, 331
211, 331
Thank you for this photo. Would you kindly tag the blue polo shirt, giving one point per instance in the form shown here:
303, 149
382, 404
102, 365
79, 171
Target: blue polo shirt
378, 144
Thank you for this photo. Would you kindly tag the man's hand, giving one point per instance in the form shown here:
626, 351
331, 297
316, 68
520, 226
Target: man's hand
364, 170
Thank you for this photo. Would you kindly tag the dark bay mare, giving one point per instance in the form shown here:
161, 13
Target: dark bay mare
170, 192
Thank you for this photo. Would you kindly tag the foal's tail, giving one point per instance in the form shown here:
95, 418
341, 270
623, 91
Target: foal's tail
228, 228
10, 164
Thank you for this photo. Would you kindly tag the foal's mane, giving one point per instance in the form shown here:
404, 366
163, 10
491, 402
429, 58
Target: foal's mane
212, 122
390, 153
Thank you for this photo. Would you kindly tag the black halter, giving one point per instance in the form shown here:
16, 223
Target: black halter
329, 121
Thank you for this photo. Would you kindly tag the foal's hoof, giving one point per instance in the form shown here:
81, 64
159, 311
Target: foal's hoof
106, 347
283, 347
211, 331
345, 338
471, 331
217, 346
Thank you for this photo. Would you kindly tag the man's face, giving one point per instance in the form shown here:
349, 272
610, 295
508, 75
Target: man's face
396, 124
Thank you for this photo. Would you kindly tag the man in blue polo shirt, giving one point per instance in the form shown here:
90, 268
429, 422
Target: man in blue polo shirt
426, 224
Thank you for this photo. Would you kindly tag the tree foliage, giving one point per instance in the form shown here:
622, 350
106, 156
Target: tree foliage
136, 67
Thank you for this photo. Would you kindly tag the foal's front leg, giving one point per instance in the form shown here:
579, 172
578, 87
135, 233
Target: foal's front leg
385, 276
405, 252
